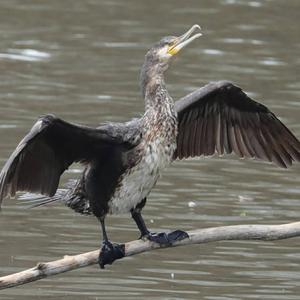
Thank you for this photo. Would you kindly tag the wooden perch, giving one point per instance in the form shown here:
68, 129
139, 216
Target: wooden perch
237, 232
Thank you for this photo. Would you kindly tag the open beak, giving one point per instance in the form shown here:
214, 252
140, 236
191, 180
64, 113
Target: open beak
184, 40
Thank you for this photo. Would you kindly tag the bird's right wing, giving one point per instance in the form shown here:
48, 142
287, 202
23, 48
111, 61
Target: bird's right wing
49, 148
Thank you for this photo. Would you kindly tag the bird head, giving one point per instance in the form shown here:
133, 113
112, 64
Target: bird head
158, 57
169, 46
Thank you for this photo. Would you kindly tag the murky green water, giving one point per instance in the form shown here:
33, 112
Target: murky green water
81, 61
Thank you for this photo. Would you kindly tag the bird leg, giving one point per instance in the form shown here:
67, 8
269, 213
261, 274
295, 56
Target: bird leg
162, 238
109, 251
137, 217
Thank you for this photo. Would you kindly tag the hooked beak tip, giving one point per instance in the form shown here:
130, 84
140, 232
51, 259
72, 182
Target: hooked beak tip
185, 39
197, 26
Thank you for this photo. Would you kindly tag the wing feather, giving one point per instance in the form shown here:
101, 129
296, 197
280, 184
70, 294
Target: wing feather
220, 118
47, 151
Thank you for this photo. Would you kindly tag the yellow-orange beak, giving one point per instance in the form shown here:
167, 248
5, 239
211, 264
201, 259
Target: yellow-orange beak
184, 40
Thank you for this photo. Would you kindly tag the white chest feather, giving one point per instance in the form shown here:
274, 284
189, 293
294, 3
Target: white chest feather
138, 181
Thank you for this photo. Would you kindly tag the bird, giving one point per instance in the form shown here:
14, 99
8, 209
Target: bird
123, 161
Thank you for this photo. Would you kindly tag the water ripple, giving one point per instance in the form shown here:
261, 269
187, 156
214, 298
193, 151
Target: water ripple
25, 55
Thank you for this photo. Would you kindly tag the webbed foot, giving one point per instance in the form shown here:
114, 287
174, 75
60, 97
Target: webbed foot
110, 252
164, 238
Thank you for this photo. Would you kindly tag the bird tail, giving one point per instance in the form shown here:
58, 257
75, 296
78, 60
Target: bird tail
32, 200
72, 195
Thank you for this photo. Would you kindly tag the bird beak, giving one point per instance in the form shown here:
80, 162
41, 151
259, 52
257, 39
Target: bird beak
184, 40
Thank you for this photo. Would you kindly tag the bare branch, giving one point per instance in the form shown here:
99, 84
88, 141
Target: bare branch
200, 236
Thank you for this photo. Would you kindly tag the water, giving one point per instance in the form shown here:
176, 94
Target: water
81, 60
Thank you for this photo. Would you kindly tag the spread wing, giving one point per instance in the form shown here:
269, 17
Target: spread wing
49, 148
220, 118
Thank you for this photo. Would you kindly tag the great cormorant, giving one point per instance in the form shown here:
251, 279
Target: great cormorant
123, 161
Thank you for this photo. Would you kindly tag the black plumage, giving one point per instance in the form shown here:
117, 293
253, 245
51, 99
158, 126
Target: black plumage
220, 118
50, 147
122, 161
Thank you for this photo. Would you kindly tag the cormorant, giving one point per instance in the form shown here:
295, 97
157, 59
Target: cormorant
123, 161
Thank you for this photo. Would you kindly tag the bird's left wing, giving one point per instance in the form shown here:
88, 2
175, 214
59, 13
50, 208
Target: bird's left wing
220, 118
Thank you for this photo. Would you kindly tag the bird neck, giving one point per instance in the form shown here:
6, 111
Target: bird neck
153, 84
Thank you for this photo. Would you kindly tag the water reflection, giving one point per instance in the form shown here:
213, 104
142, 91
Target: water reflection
81, 61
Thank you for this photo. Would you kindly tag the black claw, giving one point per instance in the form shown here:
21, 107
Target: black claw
159, 238
177, 235
110, 252
164, 238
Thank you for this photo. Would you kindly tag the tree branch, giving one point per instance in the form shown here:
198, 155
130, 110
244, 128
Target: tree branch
236, 232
